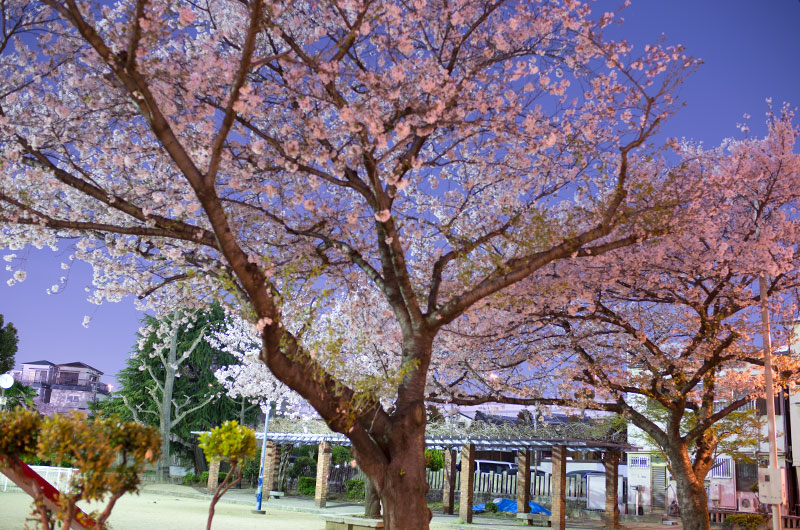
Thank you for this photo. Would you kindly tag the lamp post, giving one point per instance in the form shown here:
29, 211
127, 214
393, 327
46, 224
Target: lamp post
260, 490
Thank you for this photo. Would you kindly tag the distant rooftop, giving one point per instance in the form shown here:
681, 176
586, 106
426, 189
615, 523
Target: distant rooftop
70, 365
81, 365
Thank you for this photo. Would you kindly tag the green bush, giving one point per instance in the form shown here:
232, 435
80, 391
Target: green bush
340, 455
491, 507
221, 478
355, 490
307, 485
745, 521
189, 479
251, 467
434, 459
303, 467
204, 477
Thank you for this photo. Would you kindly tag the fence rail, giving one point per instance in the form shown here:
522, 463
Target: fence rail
506, 484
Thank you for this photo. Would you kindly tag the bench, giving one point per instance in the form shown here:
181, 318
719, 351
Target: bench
275, 494
349, 522
535, 519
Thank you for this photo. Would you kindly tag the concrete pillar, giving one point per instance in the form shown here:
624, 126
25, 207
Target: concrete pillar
213, 476
323, 470
467, 482
272, 462
558, 497
611, 516
523, 481
449, 485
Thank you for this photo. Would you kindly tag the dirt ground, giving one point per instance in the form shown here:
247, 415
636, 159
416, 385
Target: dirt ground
153, 512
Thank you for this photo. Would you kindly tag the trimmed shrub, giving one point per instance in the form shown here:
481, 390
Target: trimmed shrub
204, 477
434, 459
307, 485
491, 507
744, 521
189, 478
355, 490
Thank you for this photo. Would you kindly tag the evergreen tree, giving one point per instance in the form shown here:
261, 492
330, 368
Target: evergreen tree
198, 402
8, 346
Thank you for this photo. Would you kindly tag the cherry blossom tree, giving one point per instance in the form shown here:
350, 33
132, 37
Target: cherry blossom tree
272, 152
673, 323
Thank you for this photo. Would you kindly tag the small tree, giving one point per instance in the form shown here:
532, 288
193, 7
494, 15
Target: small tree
230, 443
108, 453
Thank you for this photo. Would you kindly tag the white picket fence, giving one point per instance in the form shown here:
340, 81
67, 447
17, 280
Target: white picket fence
506, 484
59, 477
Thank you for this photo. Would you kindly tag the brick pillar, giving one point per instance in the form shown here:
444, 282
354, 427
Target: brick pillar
467, 482
611, 516
272, 462
213, 476
558, 497
449, 486
323, 470
523, 481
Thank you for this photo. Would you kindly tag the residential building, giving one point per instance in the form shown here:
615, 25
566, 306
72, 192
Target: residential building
63, 387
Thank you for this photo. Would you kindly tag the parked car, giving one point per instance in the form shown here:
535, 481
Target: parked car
493, 466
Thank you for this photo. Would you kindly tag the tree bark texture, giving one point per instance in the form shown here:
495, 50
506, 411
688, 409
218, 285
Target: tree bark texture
372, 503
692, 498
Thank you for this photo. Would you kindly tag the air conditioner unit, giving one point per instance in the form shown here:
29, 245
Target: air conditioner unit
747, 501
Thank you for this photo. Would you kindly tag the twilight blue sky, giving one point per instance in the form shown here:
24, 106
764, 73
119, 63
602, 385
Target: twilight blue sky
751, 51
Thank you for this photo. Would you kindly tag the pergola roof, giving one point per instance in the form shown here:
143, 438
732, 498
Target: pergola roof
481, 443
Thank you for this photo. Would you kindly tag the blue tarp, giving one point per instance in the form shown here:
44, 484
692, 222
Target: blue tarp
507, 505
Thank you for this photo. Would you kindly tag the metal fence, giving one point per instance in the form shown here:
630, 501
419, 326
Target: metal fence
59, 477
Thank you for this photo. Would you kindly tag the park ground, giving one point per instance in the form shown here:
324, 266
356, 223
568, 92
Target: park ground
172, 507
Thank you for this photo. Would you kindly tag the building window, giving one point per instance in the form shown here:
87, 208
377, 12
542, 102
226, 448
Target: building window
639, 461
74, 398
723, 468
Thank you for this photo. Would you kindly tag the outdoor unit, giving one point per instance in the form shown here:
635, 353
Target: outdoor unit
748, 502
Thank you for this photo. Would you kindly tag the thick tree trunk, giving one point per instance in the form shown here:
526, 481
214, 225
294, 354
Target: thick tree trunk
692, 498
404, 485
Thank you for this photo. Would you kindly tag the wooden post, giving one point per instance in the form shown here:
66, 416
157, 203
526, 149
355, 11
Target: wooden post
213, 476
449, 486
523, 481
611, 516
467, 482
558, 499
323, 470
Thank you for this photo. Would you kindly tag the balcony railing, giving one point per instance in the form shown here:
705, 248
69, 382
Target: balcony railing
84, 384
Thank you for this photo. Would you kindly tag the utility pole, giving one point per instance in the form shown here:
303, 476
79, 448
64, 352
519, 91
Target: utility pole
770, 396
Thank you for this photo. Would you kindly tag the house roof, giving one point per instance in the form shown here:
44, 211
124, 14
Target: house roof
81, 365
41, 363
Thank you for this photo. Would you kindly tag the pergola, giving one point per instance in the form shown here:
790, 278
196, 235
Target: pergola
468, 446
